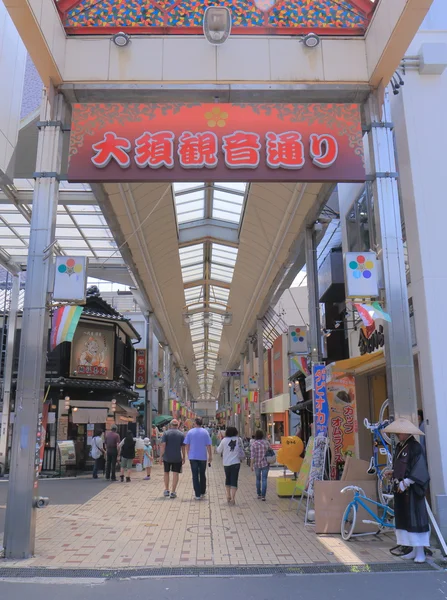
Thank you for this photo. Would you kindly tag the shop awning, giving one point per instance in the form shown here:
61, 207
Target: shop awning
277, 404
359, 364
130, 411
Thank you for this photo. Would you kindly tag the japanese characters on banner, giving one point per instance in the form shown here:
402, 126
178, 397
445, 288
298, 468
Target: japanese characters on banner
70, 279
343, 424
219, 142
298, 340
140, 369
362, 279
321, 408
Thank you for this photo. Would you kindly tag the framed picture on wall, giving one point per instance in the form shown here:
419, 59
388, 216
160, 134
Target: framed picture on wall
93, 351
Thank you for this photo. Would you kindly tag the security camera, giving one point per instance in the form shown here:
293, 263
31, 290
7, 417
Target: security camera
40, 502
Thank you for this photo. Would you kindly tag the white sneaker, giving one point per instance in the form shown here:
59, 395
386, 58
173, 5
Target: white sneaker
197, 498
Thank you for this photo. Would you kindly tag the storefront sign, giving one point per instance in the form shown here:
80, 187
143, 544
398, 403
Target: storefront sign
298, 340
361, 275
216, 142
343, 420
67, 452
231, 373
372, 342
92, 351
70, 279
321, 408
140, 370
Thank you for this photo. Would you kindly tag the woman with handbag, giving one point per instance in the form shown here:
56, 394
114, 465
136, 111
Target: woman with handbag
233, 453
97, 452
261, 456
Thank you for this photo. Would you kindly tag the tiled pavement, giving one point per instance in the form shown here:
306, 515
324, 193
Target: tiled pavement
132, 525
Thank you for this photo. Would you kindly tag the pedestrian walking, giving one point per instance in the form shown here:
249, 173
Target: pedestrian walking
259, 464
147, 458
172, 456
127, 455
411, 479
232, 452
214, 440
112, 441
198, 447
98, 453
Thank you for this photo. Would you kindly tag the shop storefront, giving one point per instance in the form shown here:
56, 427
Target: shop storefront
276, 414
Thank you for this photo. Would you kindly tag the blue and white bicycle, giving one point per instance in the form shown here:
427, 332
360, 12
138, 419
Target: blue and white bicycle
384, 519
381, 461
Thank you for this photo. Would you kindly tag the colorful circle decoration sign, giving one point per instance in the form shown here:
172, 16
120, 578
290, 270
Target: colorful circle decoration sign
361, 267
70, 267
297, 335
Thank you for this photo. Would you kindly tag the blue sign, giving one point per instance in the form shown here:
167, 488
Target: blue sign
321, 406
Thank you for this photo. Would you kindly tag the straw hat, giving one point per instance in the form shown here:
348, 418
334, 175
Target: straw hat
401, 425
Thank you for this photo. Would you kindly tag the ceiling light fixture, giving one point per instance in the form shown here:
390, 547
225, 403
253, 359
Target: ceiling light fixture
311, 40
217, 24
121, 39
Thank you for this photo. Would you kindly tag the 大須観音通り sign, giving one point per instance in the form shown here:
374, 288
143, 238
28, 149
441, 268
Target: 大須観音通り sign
220, 142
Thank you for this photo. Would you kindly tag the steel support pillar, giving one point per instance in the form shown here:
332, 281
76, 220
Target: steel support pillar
150, 373
9, 364
166, 379
399, 353
20, 522
242, 400
261, 376
251, 373
313, 296
227, 401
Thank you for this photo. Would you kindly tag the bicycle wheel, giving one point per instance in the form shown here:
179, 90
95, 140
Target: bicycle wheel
348, 521
384, 415
385, 487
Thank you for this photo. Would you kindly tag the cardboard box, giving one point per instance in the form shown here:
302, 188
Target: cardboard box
330, 505
356, 470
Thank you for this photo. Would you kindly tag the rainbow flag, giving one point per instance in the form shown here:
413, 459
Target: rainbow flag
63, 325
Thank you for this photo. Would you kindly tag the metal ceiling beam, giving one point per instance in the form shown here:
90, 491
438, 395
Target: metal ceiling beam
209, 230
208, 92
215, 282
72, 197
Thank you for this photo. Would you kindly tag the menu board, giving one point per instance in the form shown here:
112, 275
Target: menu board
68, 452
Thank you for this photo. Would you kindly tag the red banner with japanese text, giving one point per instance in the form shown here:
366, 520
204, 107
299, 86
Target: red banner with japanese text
343, 425
141, 369
216, 142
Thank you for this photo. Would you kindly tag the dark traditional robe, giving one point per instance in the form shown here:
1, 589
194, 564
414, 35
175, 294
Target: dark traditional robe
409, 506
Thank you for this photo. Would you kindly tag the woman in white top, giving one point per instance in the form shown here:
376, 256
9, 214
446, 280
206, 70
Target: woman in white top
232, 450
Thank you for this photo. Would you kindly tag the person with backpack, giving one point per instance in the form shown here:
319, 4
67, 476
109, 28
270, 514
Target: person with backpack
98, 453
127, 455
232, 452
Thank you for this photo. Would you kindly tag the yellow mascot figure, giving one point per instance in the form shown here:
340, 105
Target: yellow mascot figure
289, 455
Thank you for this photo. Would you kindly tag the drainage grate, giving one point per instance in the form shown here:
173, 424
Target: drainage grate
225, 571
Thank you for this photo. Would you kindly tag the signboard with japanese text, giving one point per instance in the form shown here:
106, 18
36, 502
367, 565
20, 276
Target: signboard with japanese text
321, 408
342, 420
216, 142
140, 369
92, 351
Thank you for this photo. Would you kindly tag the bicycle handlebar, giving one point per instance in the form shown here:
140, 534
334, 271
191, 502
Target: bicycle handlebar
374, 426
353, 488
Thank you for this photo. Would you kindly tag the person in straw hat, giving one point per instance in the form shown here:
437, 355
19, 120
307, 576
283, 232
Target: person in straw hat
411, 478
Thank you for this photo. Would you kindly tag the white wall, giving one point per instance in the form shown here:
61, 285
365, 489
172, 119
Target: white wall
12, 69
421, 129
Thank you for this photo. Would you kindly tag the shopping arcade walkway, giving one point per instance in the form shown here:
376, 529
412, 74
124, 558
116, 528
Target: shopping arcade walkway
132, 525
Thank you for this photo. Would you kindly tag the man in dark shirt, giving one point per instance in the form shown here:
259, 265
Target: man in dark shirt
172, 455
112, 442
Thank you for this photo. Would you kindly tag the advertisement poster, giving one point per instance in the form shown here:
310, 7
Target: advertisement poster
342, 420
321, 408
278, 375
92, 352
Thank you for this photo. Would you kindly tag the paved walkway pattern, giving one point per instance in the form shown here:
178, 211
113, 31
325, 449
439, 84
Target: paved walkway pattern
133, 525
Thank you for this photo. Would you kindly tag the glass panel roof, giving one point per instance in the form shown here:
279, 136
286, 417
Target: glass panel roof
81, 229
208, 261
